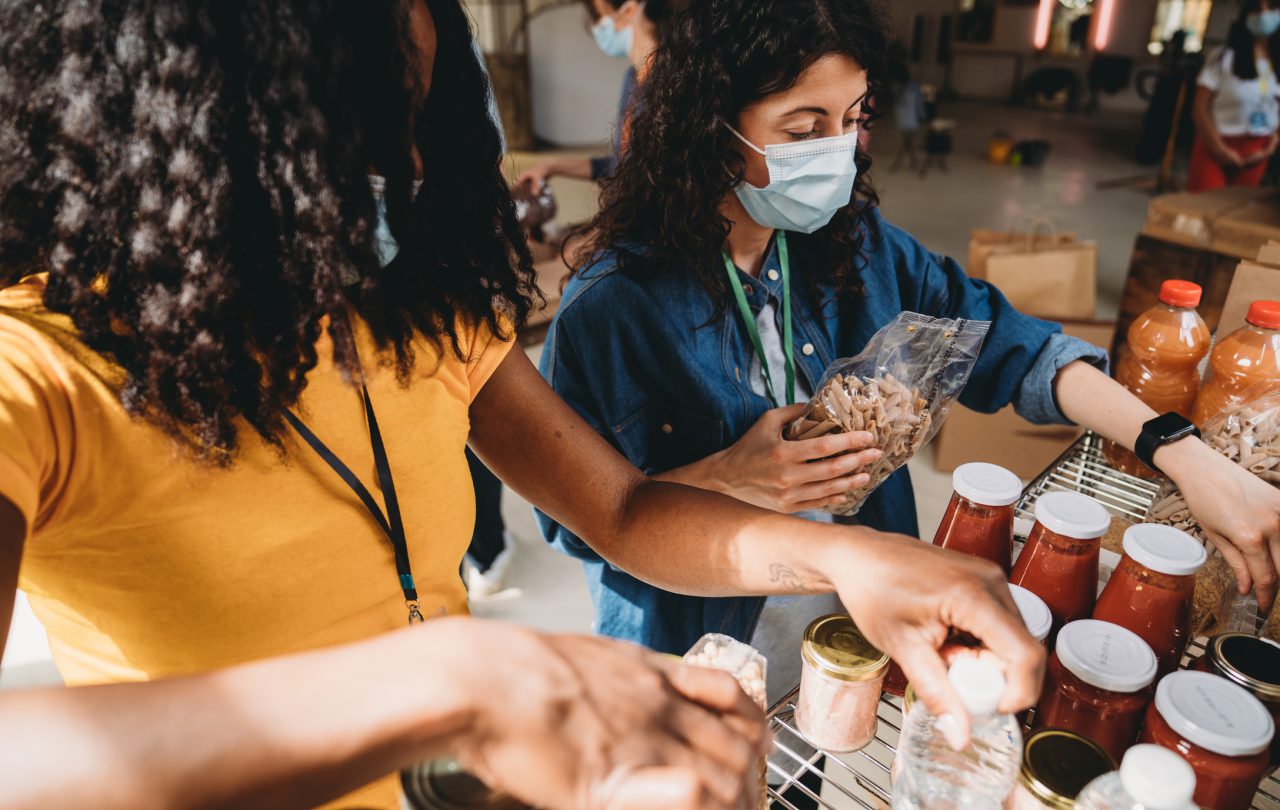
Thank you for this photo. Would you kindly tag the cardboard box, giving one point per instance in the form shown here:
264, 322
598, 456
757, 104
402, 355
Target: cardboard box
1005, 438
1233, 221
1253, 281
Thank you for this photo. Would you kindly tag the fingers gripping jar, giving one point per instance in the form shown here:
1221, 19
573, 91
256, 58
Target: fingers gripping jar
839, 686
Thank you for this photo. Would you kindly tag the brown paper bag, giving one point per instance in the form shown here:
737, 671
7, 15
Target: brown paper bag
1252, 282
1053, 276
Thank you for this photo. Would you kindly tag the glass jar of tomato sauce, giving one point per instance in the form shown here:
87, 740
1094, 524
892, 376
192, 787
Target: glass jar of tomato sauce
1059, 563
1098, 684
979, 519
1151, 590
1253, 663
1217, 727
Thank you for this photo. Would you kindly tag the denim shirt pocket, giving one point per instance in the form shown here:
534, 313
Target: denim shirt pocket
661, 437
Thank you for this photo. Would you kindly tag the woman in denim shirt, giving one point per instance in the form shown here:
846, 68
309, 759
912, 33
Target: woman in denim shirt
651, 348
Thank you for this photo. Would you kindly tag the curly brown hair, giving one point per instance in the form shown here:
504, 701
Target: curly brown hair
194, 178
661, 210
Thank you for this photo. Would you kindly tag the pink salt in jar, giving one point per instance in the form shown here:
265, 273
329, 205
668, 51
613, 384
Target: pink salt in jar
839, 686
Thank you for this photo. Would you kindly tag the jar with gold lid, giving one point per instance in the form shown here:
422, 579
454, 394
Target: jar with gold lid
839, 685
1056, 766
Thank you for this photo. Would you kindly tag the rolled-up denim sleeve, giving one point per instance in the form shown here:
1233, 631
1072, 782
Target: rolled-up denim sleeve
1035, 401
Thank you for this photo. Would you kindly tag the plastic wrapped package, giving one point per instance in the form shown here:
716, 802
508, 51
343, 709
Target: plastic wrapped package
900, 389
1248, 434
748, 666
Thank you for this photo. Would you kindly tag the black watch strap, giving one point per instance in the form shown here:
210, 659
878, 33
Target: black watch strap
1166, 429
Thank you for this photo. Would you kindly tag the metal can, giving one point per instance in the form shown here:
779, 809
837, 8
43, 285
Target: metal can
444, 785
1056, 766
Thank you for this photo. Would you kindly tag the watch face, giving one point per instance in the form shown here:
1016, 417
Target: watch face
1170, 426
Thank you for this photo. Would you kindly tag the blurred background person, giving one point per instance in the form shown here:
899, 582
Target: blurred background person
1236, 111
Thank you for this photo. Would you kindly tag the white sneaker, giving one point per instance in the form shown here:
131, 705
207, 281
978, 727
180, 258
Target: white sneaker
483, 585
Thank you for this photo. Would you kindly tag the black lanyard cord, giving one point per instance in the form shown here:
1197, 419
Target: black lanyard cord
391, 523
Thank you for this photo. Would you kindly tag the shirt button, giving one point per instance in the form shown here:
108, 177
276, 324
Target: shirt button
667, 429
773, 275
749, 290
807, 349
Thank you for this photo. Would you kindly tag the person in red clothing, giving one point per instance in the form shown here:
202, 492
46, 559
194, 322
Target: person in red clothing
1236, 113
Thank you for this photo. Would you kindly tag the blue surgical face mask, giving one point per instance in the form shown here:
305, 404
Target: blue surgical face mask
384, 243
809, 182
1263, 24
611, 41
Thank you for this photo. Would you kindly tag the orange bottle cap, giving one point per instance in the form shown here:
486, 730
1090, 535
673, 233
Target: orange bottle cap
1265, 314
1180, 294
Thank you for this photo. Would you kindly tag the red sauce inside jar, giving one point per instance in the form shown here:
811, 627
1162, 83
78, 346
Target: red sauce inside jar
1155, 606
1222, 782
1060, 570
977, 530
979, 519
1059, 563
1109, 706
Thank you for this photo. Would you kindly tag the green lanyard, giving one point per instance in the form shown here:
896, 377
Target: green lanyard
749, 320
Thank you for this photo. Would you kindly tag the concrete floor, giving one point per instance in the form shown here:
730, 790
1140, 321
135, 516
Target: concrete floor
547, 590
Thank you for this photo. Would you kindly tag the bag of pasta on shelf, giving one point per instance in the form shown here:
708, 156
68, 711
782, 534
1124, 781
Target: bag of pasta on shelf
1248, 434
900, 389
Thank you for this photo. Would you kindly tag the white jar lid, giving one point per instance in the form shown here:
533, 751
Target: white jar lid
1106, 656
1157, 778
1035, 613
1073, 515
1164, 549
986, 484
1214, 713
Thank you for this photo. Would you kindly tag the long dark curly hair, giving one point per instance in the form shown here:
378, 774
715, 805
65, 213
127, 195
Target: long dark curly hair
194, 177
661, 210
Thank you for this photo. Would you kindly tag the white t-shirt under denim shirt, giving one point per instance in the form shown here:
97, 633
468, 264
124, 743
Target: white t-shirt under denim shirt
1247, 107
784, 619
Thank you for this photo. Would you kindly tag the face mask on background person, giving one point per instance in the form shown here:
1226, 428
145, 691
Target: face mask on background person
809, 182
610, 40
1263, 24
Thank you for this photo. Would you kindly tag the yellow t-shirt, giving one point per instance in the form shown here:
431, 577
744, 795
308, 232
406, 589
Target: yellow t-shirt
144, 563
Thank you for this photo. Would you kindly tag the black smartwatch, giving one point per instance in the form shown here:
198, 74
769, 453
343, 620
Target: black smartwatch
1160, 431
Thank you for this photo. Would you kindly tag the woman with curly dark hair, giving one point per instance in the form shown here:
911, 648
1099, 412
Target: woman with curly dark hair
740, 248
237, 378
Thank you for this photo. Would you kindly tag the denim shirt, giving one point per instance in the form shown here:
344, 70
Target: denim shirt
660, 370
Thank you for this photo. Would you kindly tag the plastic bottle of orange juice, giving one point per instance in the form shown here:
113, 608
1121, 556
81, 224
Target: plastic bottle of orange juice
1245, 358
1166, 345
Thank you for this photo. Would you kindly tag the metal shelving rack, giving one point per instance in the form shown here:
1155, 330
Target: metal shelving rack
861, 779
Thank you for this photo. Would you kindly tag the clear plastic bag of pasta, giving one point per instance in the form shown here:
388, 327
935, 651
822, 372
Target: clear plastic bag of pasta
900, 389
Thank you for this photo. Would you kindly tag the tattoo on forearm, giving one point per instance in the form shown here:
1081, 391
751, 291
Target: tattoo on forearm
789, 579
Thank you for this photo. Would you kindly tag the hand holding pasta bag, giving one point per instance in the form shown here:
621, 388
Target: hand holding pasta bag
899, 389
